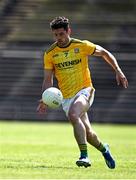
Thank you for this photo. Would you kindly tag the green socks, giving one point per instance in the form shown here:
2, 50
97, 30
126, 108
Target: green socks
101, 148
83, 150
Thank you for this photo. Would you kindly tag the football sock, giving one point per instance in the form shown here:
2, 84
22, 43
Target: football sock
101, 148
83, 150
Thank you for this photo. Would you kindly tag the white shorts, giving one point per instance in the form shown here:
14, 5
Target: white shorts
87, 93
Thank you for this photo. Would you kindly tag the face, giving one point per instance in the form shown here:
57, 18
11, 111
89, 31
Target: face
61, 36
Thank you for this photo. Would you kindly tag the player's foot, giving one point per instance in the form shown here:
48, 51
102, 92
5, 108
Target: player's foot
108, 157
83, 162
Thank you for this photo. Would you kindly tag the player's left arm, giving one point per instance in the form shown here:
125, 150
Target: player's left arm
111, 60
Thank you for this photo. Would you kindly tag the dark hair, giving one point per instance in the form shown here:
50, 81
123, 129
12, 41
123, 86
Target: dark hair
59, 22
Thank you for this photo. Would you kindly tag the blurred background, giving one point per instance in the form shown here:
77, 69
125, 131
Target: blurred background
25, 35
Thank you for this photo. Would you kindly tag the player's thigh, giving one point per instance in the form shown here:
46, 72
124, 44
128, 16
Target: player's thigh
78, 107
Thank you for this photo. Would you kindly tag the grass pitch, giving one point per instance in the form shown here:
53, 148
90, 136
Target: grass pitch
49, 151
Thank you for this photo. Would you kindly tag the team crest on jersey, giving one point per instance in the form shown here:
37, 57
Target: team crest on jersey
76, 50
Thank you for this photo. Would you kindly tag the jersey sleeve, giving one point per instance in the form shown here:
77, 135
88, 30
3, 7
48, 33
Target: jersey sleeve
47, 61
89, 47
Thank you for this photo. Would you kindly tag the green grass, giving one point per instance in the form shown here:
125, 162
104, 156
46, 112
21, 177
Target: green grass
49, 151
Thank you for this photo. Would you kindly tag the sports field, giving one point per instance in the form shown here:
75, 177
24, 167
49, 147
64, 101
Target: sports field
49, 151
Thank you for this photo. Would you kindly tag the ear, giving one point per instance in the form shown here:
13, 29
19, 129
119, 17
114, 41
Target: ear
69, 30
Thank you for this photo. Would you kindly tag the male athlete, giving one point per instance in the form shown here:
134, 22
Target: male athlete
67, 59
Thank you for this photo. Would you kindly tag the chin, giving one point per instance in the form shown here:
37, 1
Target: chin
61, 44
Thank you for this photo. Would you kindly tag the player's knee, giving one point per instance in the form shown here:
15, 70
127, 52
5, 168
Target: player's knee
73, 117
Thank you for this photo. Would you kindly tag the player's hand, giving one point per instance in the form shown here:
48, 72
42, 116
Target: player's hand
121, 79
42, 108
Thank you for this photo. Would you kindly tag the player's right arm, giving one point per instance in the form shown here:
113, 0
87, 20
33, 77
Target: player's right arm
47, 82
48, 79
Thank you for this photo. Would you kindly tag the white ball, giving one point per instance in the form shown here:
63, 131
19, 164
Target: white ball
52, 97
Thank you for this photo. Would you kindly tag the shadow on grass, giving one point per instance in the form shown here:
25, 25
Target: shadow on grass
22, 164
55, 167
